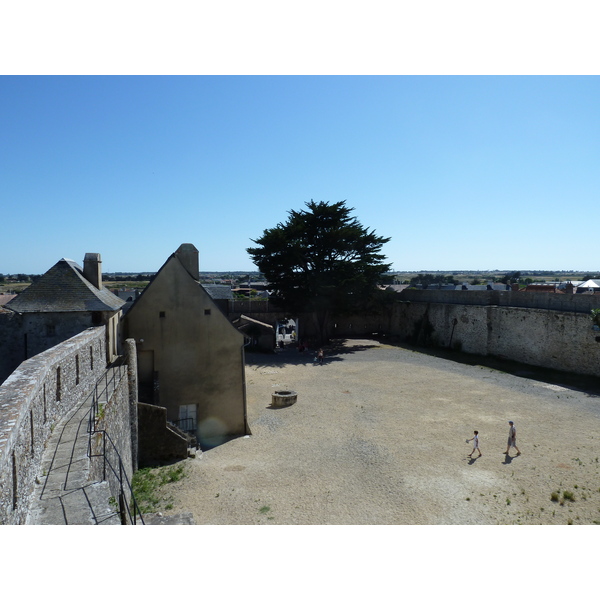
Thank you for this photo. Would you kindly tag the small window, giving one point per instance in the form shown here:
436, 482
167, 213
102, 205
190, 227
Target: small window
207, 311
161, 314
50, 330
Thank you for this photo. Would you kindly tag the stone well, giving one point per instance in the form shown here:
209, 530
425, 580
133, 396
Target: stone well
283, 398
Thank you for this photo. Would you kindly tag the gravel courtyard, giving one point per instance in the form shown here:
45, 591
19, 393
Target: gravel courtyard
377, 436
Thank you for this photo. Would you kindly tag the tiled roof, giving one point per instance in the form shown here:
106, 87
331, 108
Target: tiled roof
63, 288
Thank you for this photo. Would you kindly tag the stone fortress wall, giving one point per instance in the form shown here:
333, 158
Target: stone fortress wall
36, 396
32, 400
536, 328
542, 329
559, 340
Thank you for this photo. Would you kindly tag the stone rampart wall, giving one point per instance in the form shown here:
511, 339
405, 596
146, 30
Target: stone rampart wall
32, 400
580, 303
542, 329
559, 340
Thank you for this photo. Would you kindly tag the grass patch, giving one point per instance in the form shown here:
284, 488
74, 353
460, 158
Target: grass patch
147, 484
263, 510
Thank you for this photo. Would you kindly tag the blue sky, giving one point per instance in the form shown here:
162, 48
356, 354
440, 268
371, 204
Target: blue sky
462, 172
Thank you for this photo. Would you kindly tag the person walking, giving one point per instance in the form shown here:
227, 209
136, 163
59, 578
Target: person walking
512, 439
475, 440
320, 356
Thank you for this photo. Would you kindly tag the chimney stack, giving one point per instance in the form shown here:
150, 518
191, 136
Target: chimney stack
188, 256
92, 269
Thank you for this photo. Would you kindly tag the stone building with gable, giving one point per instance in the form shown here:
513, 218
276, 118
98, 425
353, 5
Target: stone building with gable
63, 302
190, 357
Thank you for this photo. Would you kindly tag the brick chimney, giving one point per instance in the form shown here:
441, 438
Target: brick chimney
92, 269
188, 256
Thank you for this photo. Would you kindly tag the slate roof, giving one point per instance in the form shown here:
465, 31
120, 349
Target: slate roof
218, 292
63, 288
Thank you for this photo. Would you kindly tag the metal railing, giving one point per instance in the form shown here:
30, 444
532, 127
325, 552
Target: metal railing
186, 425
126, 509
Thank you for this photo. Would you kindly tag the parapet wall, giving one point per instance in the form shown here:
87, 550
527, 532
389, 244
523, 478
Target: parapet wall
579, 303
32, 400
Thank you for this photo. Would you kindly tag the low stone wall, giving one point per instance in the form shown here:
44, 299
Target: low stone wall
32, 400
157, 442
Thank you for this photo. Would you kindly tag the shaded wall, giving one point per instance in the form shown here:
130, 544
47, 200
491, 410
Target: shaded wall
12, 349
158, 443
190, 354
542, 329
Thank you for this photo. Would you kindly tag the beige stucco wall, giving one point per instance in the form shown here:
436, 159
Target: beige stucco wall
198, 357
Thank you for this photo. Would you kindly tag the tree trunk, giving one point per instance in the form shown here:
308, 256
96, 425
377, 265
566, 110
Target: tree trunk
321, 320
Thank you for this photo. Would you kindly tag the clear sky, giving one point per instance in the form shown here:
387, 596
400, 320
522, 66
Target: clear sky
478, 172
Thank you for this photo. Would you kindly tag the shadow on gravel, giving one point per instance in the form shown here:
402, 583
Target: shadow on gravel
335, 351
580, 383
338, 349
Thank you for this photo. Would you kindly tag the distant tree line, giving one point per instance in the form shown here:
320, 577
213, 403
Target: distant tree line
427, 279
130, 277
18, 278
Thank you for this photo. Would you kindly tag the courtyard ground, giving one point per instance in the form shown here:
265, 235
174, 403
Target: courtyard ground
378, 436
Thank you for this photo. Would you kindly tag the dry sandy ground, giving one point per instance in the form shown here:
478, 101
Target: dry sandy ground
377, 436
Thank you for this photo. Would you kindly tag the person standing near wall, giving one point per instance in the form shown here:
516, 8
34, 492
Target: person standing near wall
512, 439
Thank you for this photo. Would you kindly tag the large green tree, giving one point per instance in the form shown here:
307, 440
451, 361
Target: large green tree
323, 261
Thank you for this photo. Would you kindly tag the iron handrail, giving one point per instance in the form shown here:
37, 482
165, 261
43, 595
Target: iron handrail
187, 425
121, 476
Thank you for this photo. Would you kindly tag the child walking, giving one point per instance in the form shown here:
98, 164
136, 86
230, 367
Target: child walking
475, 440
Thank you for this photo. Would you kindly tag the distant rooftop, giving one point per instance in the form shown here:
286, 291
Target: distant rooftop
218, 292
63, 288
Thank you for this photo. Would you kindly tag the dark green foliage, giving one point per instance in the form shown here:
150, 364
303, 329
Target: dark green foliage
511, 277
322, 260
